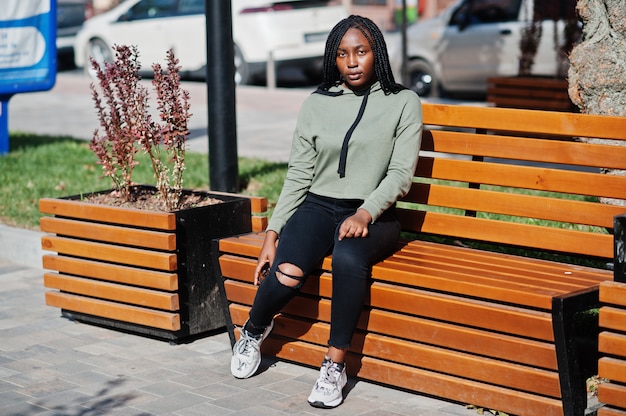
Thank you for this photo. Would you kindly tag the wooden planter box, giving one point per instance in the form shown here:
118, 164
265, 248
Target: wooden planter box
534, 93
136, 270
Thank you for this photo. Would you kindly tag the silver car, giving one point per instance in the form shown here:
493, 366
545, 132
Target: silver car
470, 41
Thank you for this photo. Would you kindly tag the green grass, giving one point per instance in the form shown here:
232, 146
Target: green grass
47, 166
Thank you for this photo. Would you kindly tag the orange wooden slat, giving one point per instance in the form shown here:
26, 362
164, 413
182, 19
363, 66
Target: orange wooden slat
613, 293
607, 411
126, 313
611, 343
112, 291
518, 205
111, 234
241, 246
613, 318
525, 177
612, 394
111, 272
544, 238
526, 149
108, 252
259, 223
258, 204
109, 214
544, 122
612, 368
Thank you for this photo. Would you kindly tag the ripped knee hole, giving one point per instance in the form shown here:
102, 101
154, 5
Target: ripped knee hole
289, 279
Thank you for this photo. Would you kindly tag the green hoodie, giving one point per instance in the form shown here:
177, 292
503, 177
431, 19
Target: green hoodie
382, 150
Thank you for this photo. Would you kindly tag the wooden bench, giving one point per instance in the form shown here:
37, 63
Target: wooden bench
449, 316
612, 339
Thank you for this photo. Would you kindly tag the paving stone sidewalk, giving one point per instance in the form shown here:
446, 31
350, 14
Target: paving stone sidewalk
50, 365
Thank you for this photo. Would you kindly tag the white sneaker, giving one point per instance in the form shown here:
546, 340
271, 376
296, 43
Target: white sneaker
247, 353
327, 392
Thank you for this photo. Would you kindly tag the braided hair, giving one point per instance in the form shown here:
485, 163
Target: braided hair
382, 67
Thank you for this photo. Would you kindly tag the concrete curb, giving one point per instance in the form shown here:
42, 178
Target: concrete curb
20, 246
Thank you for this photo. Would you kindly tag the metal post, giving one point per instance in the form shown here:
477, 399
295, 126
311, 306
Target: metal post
403, 70
223, 168
271, 71
4, 124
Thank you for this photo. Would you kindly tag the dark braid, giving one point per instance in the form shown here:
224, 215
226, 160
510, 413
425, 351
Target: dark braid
372, 33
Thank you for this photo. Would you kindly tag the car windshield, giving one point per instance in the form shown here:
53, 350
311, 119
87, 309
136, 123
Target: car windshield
486, 11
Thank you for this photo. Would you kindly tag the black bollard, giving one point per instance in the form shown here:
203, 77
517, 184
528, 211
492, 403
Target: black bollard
220, 76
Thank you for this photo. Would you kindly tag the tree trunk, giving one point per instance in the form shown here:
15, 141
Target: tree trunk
597, 73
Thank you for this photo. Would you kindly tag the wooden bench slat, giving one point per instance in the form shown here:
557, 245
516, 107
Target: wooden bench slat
517, 120
111, 291
527, 206
613, 369
126, 313
613, 293
107, 252
259, 223
240, 246
611, 343
522, 148
114, 215
613, 318
607, 411
612, 394
111, 272
523, 177
110, 234
560, 240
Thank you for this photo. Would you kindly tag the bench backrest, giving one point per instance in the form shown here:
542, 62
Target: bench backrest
517, 177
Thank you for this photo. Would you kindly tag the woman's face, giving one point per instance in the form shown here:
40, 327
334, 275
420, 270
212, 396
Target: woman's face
355, 60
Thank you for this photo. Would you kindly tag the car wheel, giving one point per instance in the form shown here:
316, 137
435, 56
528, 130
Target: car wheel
422, 79
100, 52
242, 70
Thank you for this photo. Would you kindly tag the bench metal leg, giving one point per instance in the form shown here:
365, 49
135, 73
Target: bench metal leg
570, 359
619, 252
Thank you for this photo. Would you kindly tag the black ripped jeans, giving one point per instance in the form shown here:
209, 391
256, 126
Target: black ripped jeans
309, 235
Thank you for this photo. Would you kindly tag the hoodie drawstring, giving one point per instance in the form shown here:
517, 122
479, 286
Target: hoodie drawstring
344, 147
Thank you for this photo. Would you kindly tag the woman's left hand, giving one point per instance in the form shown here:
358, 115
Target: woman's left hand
355, 225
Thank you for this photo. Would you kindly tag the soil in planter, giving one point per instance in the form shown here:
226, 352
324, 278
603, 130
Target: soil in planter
148, 199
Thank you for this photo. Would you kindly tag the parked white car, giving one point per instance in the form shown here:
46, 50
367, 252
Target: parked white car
470, 41
293, 31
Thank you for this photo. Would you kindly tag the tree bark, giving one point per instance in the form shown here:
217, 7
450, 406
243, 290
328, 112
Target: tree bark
597, 72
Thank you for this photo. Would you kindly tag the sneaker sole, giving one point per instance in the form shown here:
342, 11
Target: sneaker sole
322, 405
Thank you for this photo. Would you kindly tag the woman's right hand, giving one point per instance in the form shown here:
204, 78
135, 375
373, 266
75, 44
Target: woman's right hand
268, 252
